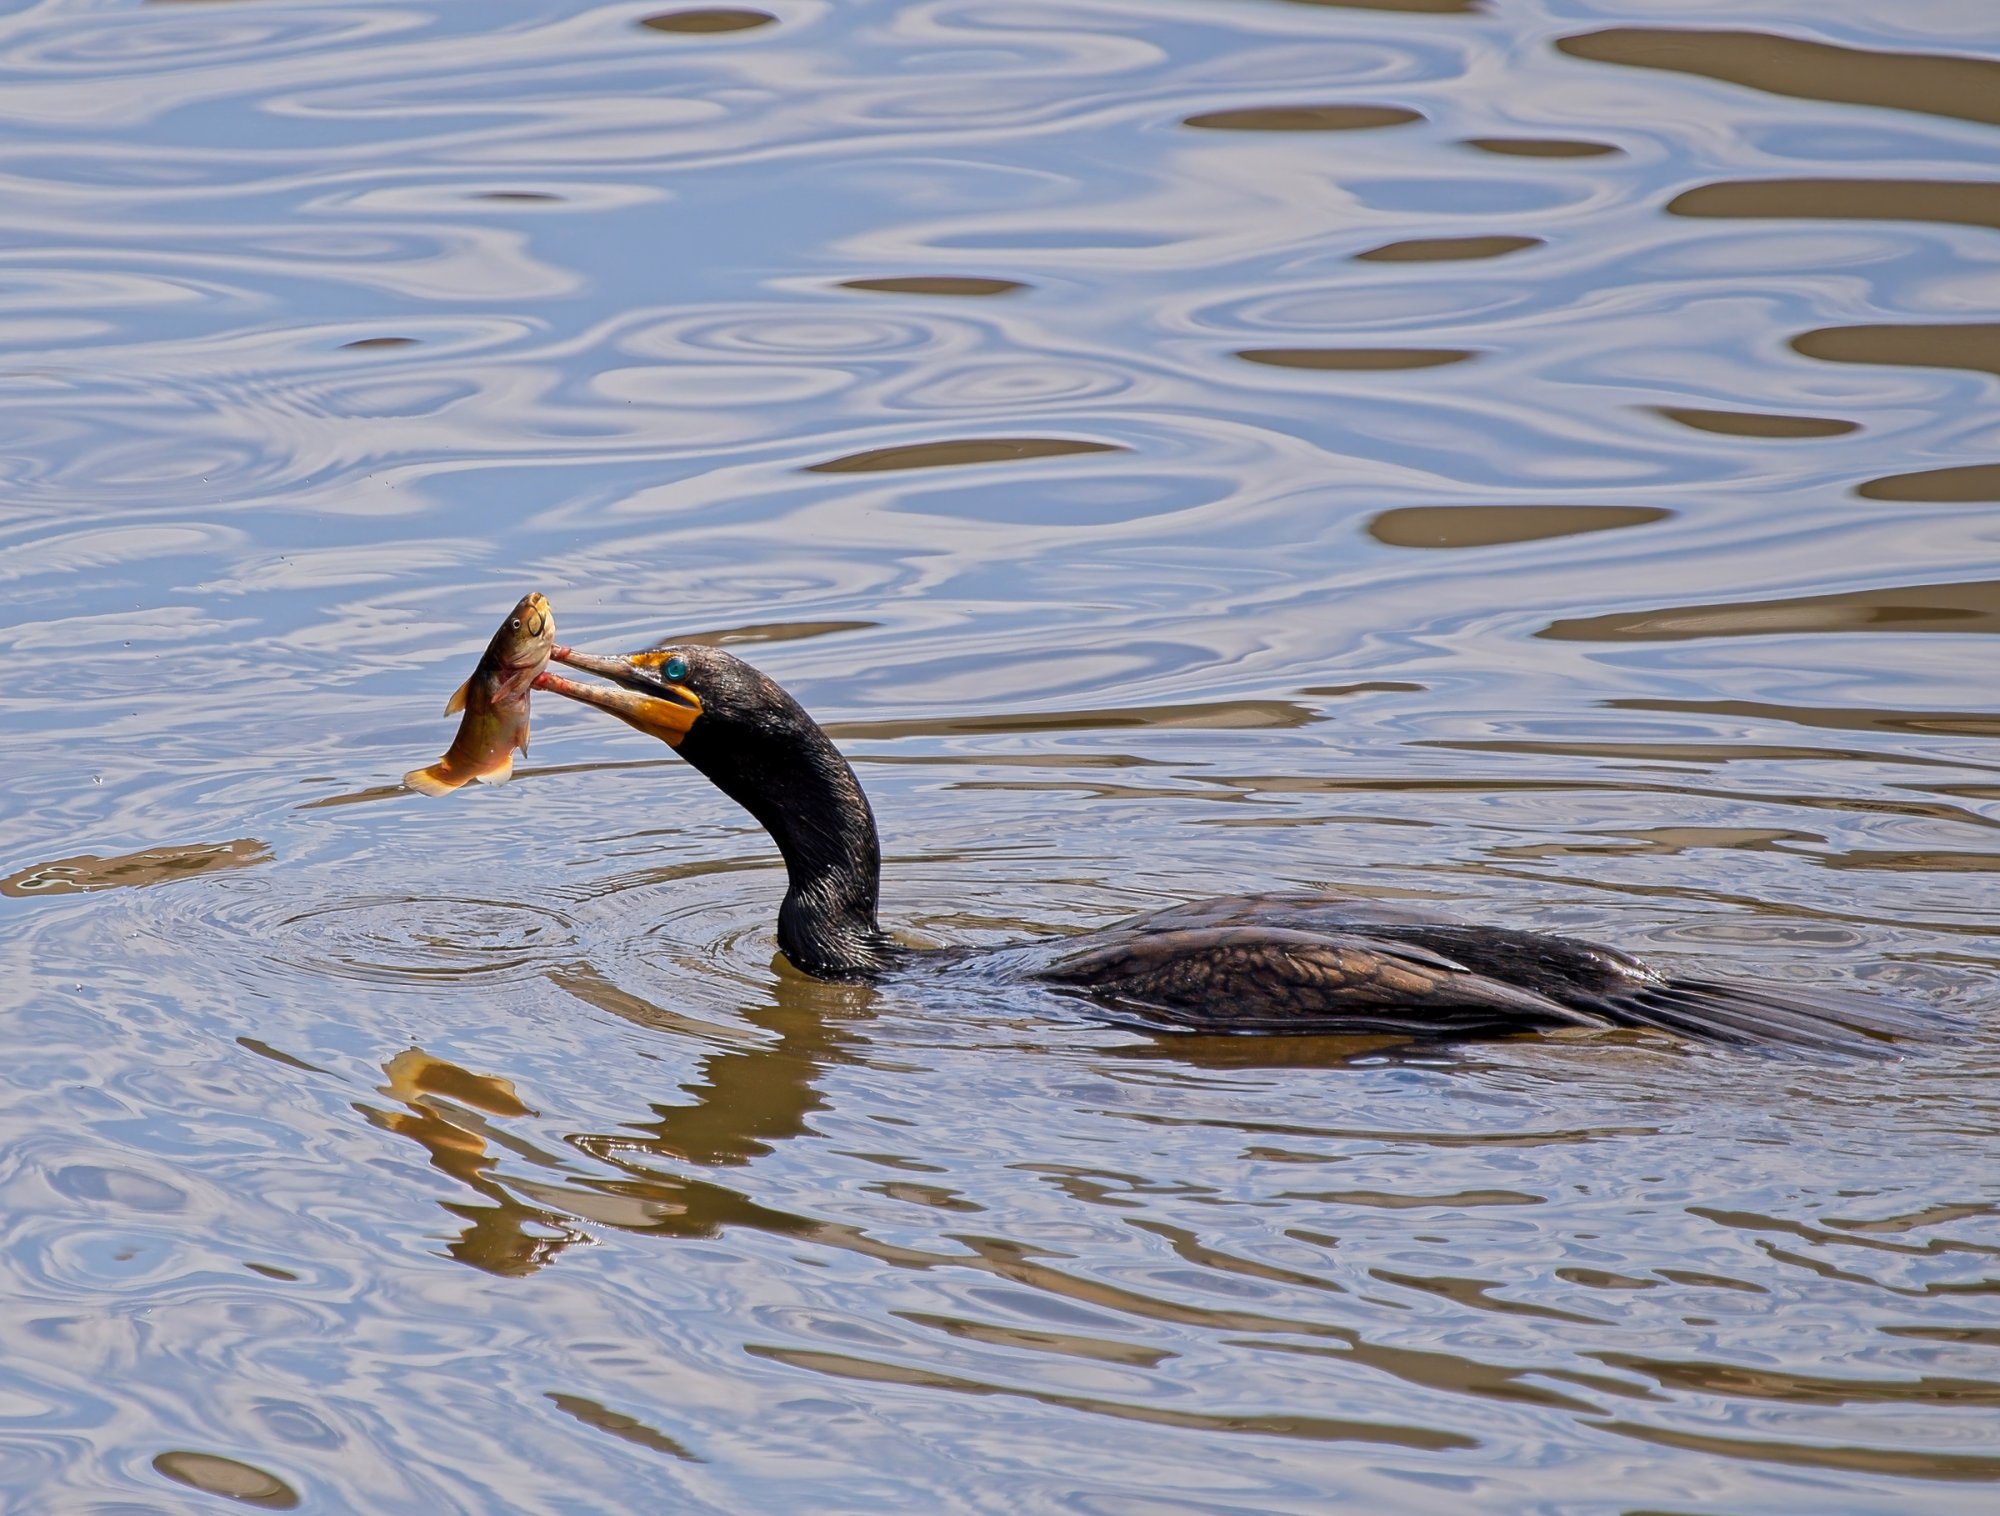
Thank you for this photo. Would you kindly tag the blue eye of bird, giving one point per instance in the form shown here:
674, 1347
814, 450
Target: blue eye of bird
675, 667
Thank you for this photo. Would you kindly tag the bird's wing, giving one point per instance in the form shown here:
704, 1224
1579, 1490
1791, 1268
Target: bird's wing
1319, 912
1259, 980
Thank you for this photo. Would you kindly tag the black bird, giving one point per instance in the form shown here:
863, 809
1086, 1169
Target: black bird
1255, 963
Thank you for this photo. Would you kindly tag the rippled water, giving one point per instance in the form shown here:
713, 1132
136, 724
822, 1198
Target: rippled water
1535, 455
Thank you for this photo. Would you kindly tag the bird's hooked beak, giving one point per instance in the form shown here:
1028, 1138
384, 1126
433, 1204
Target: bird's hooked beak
643, 700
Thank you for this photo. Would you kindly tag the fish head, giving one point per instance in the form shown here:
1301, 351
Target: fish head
526, 637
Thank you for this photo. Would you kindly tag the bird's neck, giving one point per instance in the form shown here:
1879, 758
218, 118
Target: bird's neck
806, 796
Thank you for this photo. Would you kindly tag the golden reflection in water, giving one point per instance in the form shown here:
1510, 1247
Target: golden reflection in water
154, 865
1968, 88
444, 1112
752, 1096
748, 1099
1950, 202
1458, 526
1965, 607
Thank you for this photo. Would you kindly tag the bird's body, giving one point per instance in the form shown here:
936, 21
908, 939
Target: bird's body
1289, 963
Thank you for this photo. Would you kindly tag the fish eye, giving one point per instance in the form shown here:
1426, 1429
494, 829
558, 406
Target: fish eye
514, 624
675, 667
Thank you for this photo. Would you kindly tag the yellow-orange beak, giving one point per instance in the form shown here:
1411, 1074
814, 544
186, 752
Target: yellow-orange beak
642, 700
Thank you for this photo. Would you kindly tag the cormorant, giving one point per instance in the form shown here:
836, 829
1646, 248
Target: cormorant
1258, 963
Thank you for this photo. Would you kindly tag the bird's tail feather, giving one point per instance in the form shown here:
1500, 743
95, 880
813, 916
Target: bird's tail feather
1817, 1020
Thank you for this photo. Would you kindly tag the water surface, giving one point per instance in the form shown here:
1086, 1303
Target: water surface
1533, 456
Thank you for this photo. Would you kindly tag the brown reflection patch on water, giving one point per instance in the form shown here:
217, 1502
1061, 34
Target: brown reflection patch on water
707, 22
1967, 484
962, 451
1543, 147
1445, 249
1952, 202
1478, 1293
1929, 1216
1068, 1344
1854, 1460
1364, 687
1304, 118
1387, 1200
159, 865
1666, 841
618, 1424
1932, 84
1410, 7
1701, 754
1755, 423
1985, 1337
1459, 526
1204, 715
1971, 606
213, 1474
1839, 718
1367, 358
369, 343
264, 1049
766, 631
935, 284
1266, 1424
1969, 345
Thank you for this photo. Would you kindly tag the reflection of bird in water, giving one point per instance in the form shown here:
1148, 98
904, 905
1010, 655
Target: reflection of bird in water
1259, 963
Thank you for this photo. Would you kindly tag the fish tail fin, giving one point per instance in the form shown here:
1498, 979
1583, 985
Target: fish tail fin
431, 781
501, 771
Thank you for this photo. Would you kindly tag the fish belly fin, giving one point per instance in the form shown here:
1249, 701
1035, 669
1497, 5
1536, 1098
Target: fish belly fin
434, 780
457, 702
521, 739
501, 772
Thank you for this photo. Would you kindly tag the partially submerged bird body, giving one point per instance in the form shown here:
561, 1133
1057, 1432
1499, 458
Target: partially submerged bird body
1260, 963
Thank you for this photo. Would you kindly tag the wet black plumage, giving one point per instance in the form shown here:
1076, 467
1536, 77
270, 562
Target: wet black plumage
1257, 963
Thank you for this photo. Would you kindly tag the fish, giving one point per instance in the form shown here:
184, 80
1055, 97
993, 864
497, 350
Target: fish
495, 702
